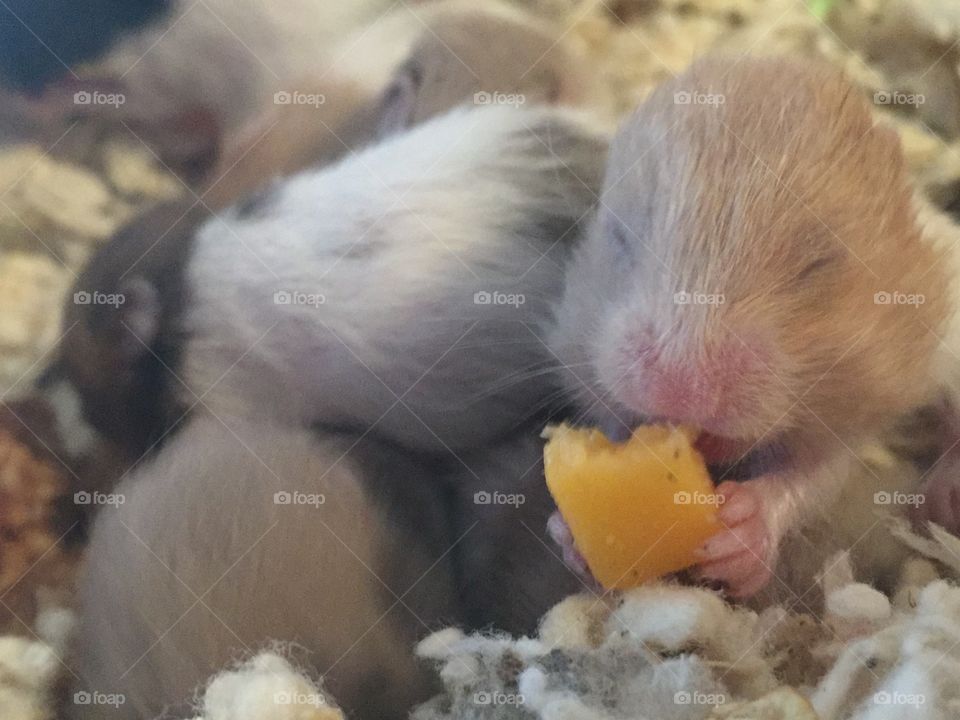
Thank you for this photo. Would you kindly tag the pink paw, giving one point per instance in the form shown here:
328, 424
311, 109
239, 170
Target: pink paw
741, 556
941, 496
560, 533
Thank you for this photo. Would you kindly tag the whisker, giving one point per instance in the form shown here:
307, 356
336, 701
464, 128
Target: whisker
550, 400
515, 379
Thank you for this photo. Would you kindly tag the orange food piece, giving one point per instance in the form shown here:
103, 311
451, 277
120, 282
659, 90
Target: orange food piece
637, 510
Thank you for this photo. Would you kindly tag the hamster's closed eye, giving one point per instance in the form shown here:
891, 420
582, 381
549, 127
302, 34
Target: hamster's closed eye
819, 266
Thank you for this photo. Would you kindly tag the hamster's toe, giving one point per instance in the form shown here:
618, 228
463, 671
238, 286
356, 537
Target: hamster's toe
741, 555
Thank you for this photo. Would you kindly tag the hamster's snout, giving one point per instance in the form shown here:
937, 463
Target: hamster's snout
723, 386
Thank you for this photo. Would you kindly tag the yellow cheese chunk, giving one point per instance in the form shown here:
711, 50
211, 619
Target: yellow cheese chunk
637, 510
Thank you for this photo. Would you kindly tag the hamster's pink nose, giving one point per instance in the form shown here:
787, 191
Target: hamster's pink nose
711, 390
683, 395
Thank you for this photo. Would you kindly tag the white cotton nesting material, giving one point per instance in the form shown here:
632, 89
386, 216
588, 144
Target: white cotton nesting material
661, 651
576, 622
265, 688
28, 671
440, 645
915, 575
679, 689
668, 618
553, 705
907, 669
906, 693
859, 602
857, 610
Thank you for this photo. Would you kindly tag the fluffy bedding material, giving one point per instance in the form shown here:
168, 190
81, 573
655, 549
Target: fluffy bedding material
659, 652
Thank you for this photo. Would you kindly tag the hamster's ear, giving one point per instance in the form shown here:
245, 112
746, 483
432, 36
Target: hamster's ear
399, 101
138, 319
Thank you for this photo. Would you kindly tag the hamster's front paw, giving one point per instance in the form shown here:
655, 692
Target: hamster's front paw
560, 533
741, 556
940, 496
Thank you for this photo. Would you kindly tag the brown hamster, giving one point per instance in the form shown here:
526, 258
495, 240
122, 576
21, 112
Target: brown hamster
756, 271
459, 55
238, 537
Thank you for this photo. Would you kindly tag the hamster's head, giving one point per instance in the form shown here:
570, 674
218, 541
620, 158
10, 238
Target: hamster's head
755, 268
482, 57
120, 339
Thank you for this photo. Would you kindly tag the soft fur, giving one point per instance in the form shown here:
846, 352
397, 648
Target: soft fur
786, 196
199, 564
395, 244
